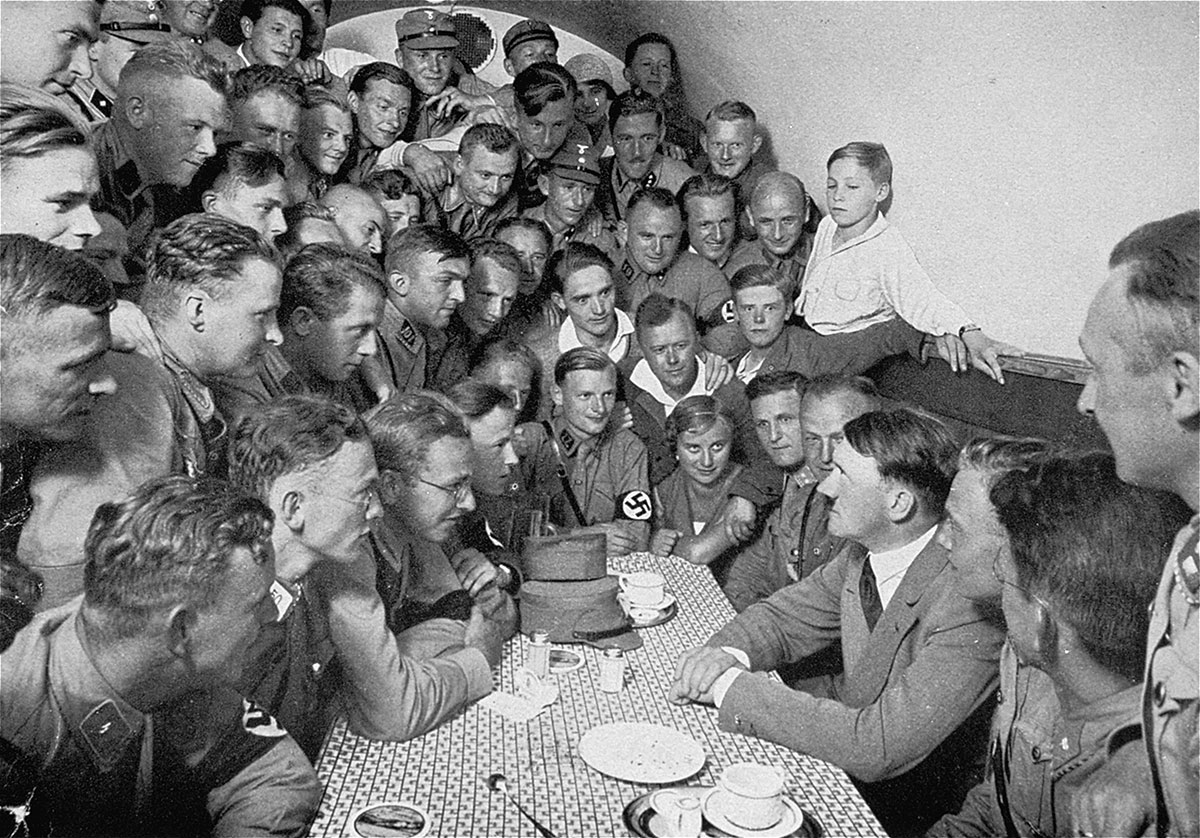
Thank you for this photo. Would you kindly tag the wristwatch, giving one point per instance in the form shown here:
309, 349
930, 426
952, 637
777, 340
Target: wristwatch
969, 327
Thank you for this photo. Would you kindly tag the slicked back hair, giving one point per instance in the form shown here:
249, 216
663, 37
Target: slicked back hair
1091, 547
202, 250
235, 164
574, 257
486, 135
250, 81
531, 224
476, 399
542, 83
650, 38
404, 428
911, 448
32, 122
321, 277
770, 383
423, 238
871, 156
705, 185
174, 59
288, 435
634, 103
1163, 260
697, 414
497, 349
168, 544
825, 386
995, 455
581, 358
367, 73
390, 185
37, 277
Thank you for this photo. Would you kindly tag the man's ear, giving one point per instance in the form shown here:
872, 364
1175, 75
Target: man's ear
622, 233
398, 282
704, 142
180, 621
903, 504
458, 164
391, 487
558, 300
543, 184
247, 27
291, 510
882, 191
302, 320
1045, 636
756, 143
195, 308
556, 395
628, 74
509, 68
1183, 383
208, 200
352, 101
137, 114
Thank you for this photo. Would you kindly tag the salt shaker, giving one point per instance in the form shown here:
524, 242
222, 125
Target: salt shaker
537, 659
612, 671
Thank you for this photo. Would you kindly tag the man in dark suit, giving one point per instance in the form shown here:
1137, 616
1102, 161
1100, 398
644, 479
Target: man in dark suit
908, 719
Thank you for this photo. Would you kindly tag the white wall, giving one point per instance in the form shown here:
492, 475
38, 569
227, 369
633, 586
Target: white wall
1028, 138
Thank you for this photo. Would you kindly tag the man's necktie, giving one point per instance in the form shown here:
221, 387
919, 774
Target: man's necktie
868, 592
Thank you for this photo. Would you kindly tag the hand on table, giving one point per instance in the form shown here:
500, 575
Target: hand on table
621, 539
475, 571
696, 672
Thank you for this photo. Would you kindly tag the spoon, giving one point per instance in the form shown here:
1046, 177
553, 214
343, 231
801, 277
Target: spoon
498, 782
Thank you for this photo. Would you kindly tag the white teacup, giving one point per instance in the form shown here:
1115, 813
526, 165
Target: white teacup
678, 814
642, 588
753, 796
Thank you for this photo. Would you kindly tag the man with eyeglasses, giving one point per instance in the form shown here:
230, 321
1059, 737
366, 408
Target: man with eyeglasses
312, 462
439, 599
909, 720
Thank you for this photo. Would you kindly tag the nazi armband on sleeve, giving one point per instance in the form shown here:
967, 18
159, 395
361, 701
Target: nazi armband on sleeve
634, 505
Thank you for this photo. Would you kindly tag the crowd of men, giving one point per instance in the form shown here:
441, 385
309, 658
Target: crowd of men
299, 343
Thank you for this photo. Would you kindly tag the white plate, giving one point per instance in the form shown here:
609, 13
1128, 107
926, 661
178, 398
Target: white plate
641, 753
793, 818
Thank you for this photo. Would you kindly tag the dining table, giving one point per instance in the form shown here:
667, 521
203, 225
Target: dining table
443, 774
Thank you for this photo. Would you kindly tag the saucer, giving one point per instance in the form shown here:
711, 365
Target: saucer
647, 616
792, 820
662, 605
640, 819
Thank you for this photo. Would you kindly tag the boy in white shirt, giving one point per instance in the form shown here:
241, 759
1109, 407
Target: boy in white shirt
862, 272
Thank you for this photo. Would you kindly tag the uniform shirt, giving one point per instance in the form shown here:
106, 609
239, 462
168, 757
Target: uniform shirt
791, 266
870, 279
124, 193
606, 239
93, 103
334, 652
453, 212
205, 762
453, 362
1170, 705
404, 349
616, 189
605, 474
1040, 758
693, 279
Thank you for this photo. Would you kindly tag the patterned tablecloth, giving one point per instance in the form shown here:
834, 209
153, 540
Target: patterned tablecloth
444, 771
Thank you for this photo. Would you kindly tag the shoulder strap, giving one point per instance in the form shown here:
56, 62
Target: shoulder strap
562, 475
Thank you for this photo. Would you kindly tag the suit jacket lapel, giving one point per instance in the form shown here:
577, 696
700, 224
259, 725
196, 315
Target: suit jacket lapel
869, 674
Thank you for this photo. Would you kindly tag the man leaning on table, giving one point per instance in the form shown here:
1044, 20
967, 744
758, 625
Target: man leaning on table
909, 716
